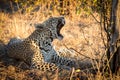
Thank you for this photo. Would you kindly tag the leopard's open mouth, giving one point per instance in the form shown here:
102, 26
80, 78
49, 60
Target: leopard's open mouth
61, 23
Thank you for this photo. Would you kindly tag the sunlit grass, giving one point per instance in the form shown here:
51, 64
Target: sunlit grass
81, 33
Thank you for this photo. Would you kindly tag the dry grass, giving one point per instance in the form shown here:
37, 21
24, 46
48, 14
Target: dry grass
82, 41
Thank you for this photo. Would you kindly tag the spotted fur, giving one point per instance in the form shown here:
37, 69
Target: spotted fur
37, 49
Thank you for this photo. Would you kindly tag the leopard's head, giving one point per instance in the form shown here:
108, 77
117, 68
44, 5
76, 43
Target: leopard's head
54, 24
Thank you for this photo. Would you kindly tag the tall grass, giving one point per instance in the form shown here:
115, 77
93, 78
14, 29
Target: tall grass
81, 37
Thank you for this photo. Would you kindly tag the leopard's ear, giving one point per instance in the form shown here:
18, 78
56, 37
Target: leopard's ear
39, 26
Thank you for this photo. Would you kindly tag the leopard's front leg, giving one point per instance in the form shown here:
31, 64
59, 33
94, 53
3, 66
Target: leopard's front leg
63, 62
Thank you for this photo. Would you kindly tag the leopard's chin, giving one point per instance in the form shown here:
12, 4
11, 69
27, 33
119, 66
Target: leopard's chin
60, 37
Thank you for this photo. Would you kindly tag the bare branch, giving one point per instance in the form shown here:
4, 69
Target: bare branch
78, 52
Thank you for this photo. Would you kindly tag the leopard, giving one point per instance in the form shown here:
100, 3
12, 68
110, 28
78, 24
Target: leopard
37, 50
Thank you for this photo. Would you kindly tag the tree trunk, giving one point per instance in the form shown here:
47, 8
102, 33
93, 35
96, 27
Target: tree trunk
114, 50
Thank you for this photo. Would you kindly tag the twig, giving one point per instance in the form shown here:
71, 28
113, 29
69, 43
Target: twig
73, 70
78, 52
94, 17
82, 54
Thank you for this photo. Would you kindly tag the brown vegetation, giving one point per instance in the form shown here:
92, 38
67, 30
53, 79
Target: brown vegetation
82, 41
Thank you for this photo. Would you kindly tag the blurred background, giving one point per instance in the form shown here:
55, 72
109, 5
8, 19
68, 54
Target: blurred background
85, 37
